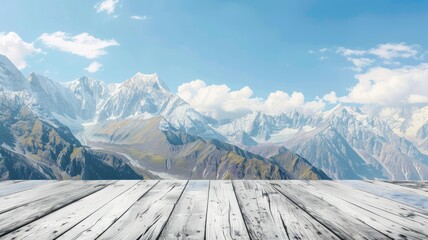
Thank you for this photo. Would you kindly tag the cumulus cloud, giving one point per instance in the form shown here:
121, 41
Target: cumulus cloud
16, 49
82, 44
391, 87
139, 17
383, 53
93, 67
220, 102
107, 6
331, 97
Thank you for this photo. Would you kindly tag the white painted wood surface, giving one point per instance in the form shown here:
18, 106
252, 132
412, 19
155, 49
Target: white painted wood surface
224, 218
212, 210
12, 187
12, 201
55, 224
20, 216
188, 219
146, 218
423, 186
343, 225
399, 188
99, 221
403, 196
350, 202
270, 215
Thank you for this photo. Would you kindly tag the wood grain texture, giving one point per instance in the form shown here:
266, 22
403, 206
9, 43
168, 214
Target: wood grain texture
16, 200
12, 187
188, 219
342, 224
423, 186
203, 209
270, 215
224, 217
399, 188
403, 195
20, 216
359, 205
99, 221
58, 222
147, 217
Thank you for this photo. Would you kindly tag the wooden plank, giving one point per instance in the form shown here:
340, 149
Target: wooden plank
270, 215
188, 219
401, 188
342, 224
99, 221
224, 218
403, 196
7, 182
349, 201
19, 199
146, 218
419, 185
19, 186
18, 217
56, 223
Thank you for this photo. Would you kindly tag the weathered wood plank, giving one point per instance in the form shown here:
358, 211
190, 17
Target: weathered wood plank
349, 201
403, 196
7, 182
401, 188
270, 215
419, 185
56, 223
16, 200
18, 217
224, 218
342, 224
19, 186
146, 218
187, 221
99, 221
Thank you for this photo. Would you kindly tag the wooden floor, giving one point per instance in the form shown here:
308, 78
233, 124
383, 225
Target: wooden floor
176, 209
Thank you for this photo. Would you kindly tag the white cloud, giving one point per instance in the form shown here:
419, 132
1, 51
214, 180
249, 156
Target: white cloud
139, 17
322, 50
390, 87
82, 44
390, 51
94, 67
350, 52
16, 49
323, 58
360, 63
107, 6
220, 102
383, 54
331, 97
387, 51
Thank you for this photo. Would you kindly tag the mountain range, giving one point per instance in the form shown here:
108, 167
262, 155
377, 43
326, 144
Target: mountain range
140, 129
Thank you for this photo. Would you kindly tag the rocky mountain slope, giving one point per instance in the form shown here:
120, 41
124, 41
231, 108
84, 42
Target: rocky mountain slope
155, 145
344, 142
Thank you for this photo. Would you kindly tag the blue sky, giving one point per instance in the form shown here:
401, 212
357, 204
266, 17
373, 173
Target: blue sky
266, 45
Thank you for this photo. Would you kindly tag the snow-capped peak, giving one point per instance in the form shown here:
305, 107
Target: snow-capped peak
145, 82
10, 77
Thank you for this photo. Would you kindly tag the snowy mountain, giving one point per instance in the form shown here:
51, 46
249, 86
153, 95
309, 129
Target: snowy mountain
8, 71
144, 96
343, 142
410, 123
